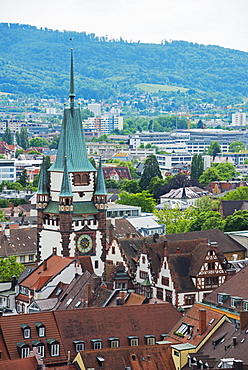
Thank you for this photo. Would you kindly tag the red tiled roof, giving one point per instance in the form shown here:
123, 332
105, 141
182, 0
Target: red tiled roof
136, 358
38, 277
29, 363
191, 318
119, 321
12, 333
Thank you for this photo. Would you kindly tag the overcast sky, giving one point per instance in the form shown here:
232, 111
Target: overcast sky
214, 22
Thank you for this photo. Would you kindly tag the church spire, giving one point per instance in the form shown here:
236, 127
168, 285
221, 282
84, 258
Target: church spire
100, 183
72, 93
65, 190
42, 186
72, 142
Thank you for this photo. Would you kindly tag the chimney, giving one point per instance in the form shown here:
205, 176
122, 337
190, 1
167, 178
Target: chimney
44, 265
202, 321
122, 296
234, 341
128, 236
13, 282
178, 251
55, 250
238, 365
118, 301
243, 319
111, 234
88, 293
7, 231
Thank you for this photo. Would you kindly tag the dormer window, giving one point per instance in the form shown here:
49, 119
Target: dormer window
79, 345
40, 347
235, 301
54, 347
26, 331
133, 340
41, 329
222, 297
114, 342
150, 339
23, 349
96, 343
183, 330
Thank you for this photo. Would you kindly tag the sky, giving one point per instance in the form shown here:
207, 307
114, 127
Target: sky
209, 22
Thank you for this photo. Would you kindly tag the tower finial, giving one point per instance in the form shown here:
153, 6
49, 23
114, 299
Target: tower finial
72, 94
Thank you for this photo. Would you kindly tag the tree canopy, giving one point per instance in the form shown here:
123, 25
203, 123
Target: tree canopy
9, 267
236, 146
151, 169
214, 149
143, 200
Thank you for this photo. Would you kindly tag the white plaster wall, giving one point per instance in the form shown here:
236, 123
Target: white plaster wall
97, 257
48, 241
65, 277
116, 257
56, 180
166, 273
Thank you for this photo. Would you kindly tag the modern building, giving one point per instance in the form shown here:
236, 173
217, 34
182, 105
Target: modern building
239, 119
168, 161
192, 141
7, 170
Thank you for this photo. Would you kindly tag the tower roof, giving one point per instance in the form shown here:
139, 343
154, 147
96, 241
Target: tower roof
42, 186
72, 141
100, 183
65, 190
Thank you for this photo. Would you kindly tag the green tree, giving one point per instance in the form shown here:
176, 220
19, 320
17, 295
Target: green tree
93, 162
156, 184
23, 178
131, 186
201, 221
34, 152
151, 169
214, 149
9, 267
23, 138
226, 170
237, 194
205, 204
7, 137
197, 166
55, 142
236, 146
111, 184
18, 152
237, 221
175, 220
211, 174
39, 142
143, 200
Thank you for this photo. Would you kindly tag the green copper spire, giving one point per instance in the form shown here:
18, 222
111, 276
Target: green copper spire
65, 190
72, 93
100, 183
72, 141
42, 186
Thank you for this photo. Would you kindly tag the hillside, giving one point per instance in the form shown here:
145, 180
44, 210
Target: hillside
36, 61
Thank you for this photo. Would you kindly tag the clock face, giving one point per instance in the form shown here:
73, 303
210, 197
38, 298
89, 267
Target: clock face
84, 243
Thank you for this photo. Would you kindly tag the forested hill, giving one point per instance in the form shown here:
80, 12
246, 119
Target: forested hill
36, 61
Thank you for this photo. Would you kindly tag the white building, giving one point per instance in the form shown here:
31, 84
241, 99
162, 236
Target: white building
95, 108
168, 161
238, 119
7, 170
